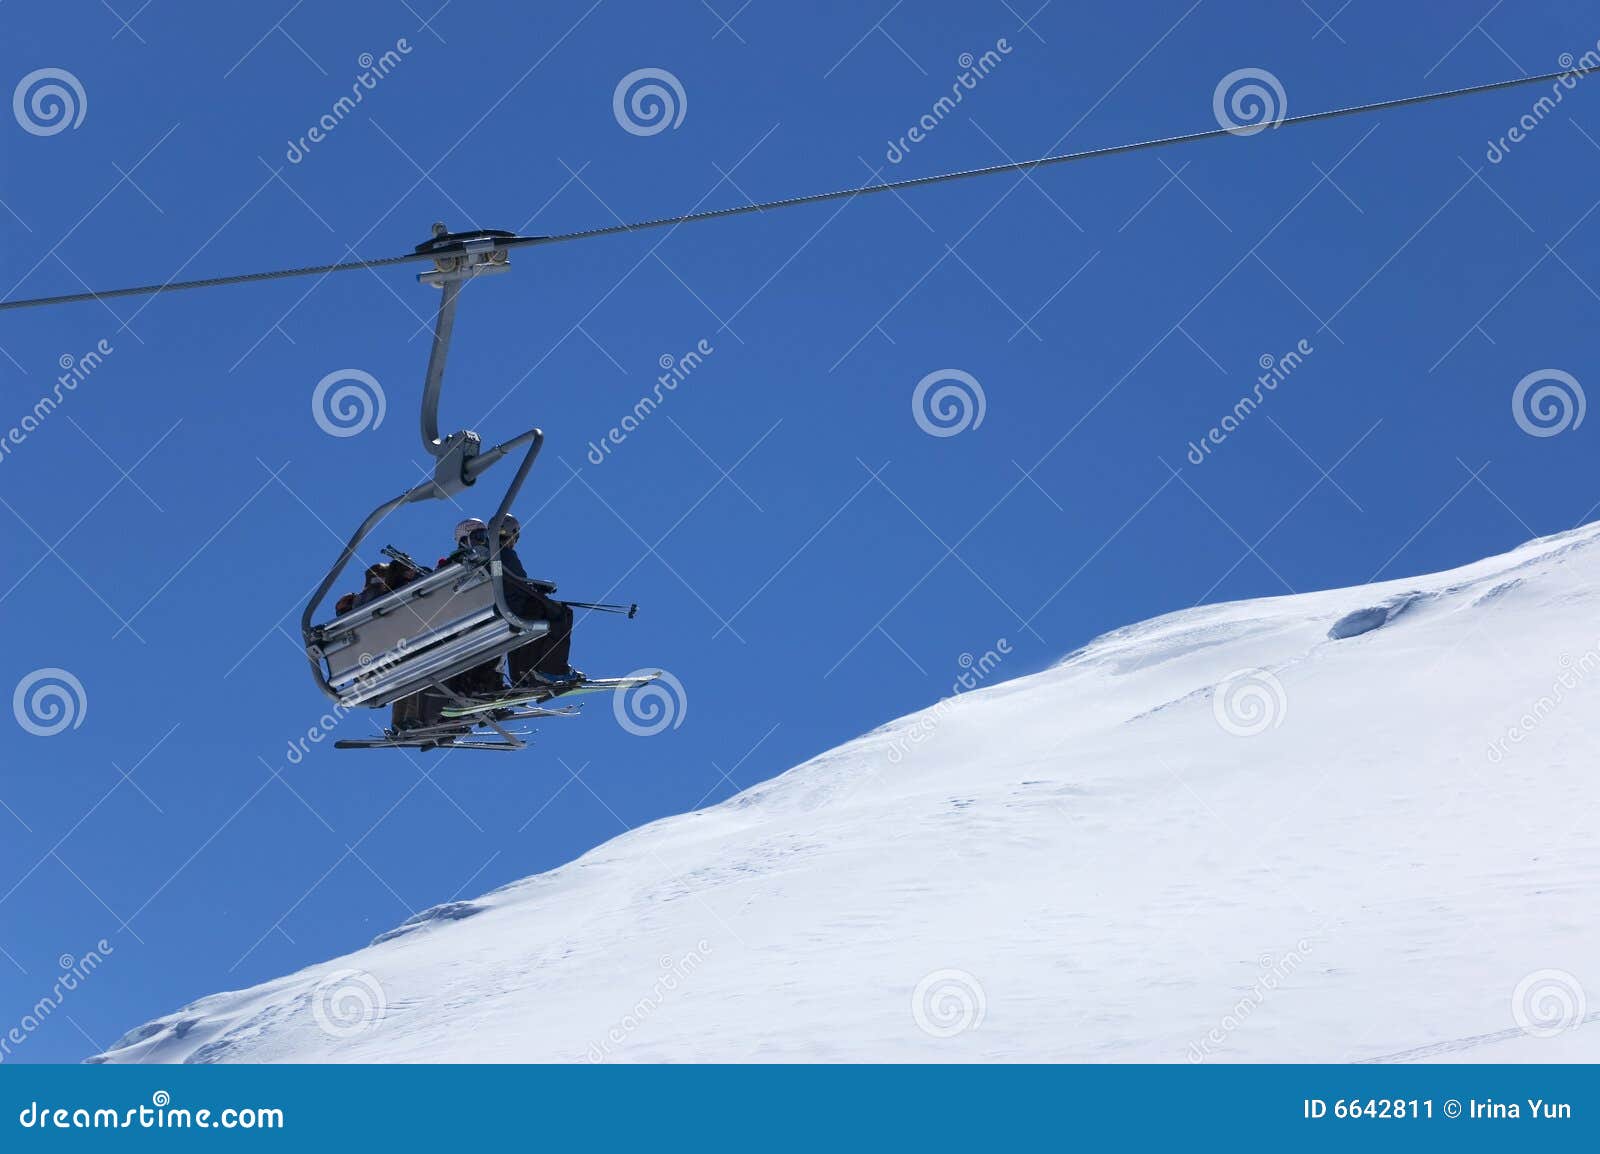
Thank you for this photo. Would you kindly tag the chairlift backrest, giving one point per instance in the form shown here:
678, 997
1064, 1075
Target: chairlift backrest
432, 629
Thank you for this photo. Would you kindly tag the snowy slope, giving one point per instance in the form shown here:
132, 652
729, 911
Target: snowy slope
1134, 855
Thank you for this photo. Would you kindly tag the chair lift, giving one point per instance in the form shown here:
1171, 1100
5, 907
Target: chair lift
458, 617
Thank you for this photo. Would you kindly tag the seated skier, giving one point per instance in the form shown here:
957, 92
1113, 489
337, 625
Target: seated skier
470, 534
379, 579
382, 579
544, 660
485, 680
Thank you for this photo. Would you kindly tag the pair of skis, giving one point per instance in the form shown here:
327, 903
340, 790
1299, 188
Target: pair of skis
461, 720
539, 693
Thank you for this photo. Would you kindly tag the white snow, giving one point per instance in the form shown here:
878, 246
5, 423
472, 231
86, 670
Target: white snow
1082, 864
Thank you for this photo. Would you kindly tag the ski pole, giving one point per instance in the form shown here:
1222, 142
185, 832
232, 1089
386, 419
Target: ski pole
602, 607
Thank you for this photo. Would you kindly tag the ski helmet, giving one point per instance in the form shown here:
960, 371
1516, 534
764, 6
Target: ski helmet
466, 527
510, 528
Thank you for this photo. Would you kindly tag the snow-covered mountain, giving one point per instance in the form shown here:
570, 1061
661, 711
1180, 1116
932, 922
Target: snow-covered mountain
1347, 825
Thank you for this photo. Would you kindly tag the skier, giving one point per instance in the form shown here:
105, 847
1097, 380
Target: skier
470, 532
420, 708
485, 680
543, 661
379, 579
480, 681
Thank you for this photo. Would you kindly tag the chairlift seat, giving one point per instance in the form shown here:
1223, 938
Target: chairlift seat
442, 624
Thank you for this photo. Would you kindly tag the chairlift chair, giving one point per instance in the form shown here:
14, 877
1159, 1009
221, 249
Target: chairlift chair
449, 621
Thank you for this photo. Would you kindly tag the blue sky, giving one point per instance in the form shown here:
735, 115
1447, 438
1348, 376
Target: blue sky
809, 561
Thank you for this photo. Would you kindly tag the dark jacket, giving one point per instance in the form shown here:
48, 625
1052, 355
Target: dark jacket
381, 580
528, 598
